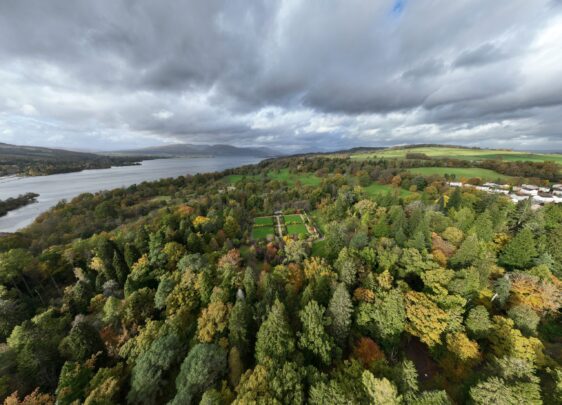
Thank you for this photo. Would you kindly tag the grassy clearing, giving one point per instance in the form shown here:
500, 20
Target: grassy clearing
461, 153
297, 229
263, 221
306, 179
376, 189
293, 219
262, 232
459, 172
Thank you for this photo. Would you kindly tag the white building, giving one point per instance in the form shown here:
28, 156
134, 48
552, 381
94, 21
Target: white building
539, 199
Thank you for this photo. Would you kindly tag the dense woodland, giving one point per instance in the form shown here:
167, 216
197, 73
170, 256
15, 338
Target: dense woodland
157, 294
14, 203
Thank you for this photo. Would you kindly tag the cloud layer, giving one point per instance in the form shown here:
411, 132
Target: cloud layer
317, 74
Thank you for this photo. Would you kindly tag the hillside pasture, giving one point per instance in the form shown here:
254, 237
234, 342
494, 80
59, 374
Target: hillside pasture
461, 172
462, 153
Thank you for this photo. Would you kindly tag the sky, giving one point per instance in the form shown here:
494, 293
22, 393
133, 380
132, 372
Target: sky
292, 75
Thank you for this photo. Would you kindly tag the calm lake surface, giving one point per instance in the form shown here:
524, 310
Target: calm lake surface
52, 189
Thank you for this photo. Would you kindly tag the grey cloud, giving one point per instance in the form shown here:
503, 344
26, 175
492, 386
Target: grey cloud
485, 54
336, 73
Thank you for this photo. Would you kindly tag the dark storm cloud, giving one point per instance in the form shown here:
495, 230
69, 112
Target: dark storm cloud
314, 74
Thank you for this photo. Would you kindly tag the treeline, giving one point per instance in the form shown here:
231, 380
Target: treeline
35, 167
17, 202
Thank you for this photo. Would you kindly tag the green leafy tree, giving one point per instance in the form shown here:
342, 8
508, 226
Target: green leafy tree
139, 306
455, 200
478, 322
203, 367
82, 342
385, 319
314, 337
525, 318
468, 252
35, 343
380, 390
106, 385
148, 375
520, 251
347, 266
73, 380
495, 390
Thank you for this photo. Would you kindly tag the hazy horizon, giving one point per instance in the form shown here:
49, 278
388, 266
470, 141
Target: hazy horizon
301, 76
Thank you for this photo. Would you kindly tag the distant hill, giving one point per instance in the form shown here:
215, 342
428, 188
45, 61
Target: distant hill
35, 153
39, 161
185, 149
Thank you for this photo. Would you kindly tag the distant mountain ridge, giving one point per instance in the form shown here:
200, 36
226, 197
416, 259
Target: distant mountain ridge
40, 161
185, 149
38, 153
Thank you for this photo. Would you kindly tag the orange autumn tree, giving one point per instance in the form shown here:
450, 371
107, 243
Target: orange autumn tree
367, 351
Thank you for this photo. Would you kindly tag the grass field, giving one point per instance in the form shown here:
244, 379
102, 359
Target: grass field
263, 221
293, 219
297, 229
262, 232
307, 179
377, 189
459, 172
461, 153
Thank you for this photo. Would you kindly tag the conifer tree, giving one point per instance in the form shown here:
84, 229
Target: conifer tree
340, 310
520, 251
275, 339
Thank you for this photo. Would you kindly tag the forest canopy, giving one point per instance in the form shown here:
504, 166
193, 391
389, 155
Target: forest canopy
414, 294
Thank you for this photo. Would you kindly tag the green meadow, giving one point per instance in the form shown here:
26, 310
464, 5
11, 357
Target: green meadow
468, 172
462, 153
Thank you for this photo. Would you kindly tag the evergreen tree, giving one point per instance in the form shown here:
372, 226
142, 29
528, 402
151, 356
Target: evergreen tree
204, 366
275, 339
347, 267
340, 310
314, 337
468, 252
520, 251
455, 200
